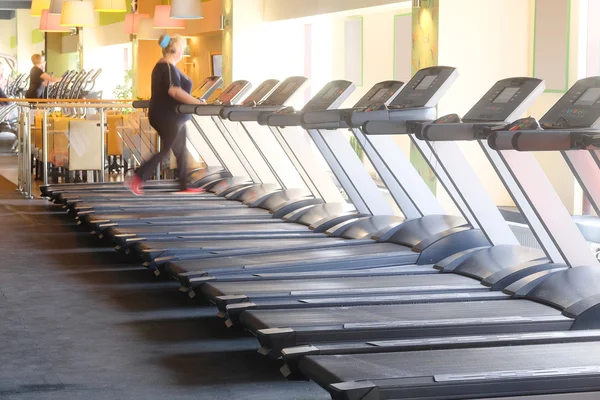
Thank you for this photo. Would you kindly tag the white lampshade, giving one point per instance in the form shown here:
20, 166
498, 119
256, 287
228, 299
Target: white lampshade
56, 7
110, 6
186, 9
37, 6
77, 13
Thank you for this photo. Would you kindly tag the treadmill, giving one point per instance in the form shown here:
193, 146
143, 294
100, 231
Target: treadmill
318, 217
518, 369
542, 300
482, 268
414, 241
208, 87
354, 177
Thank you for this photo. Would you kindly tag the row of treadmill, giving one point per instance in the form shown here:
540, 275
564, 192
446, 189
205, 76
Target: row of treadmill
296, 243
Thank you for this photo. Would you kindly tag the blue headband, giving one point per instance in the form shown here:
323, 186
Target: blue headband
165, 41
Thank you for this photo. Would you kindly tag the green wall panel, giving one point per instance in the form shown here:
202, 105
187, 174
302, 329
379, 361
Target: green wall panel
13, 42
37, 36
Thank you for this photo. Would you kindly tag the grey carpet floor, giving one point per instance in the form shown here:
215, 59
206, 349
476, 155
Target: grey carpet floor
77, 321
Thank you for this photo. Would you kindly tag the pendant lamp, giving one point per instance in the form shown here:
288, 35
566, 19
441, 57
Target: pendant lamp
186, 9
37, 6
51, 23
146, 31
77, 13
163, 20
132, 23
56, 7
110, 6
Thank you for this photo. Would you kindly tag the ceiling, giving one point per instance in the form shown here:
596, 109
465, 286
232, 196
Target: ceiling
8, 7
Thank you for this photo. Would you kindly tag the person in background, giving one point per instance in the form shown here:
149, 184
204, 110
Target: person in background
38, 79
170, 87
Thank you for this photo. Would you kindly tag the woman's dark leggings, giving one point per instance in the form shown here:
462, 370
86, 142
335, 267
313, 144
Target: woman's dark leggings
173, 137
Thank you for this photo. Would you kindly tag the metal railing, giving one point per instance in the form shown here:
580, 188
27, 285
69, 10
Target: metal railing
37, 132
27, 108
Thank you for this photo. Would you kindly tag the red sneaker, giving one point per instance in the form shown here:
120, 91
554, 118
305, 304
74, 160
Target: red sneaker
192, 191
134, 184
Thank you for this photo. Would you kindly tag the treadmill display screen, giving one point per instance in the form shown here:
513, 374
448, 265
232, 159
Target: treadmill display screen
426, 82
380, 94
332, 92
506, 95
589, 97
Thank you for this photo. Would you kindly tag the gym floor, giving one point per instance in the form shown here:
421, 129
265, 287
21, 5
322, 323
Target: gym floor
80, 322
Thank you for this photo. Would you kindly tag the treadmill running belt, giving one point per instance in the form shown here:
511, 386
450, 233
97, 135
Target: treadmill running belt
366, 252
408, 314
303, 287
459, 373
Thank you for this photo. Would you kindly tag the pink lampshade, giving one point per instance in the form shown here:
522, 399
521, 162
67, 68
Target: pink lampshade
132, 23
51, 23
163, 20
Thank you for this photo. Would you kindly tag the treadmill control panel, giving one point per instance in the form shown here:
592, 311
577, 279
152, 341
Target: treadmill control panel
207, 87
330, 97
261, 93
233, 92
380, 94
425, 88
505, 99
285, 91
578, 108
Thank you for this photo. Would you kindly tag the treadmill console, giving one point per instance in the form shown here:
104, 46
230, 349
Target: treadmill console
425, 88
233, 92
379, 95
261, 93
285, 91
330, 97
207, 87
505, 101
578, 108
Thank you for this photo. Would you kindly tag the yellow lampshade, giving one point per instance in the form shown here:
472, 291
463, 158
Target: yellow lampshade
77, 13
110, 6
37, 6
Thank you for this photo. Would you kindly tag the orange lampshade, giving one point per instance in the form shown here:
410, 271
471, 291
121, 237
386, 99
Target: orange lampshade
51, 23
163, 20
132, 23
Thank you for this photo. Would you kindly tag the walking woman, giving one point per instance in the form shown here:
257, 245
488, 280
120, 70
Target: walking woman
170, 87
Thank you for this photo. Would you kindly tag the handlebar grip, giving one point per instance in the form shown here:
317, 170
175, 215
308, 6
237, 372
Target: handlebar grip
141, 104
449, 132
284, 120
321, 117
385, 128
542, 141
502, 140
186, 108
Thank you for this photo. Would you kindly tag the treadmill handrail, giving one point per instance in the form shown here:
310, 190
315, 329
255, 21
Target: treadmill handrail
544, 140
459, 131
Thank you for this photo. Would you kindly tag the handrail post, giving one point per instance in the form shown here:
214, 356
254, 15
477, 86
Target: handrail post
20, 152
102, 144
158, 167
45, 145
27, 154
